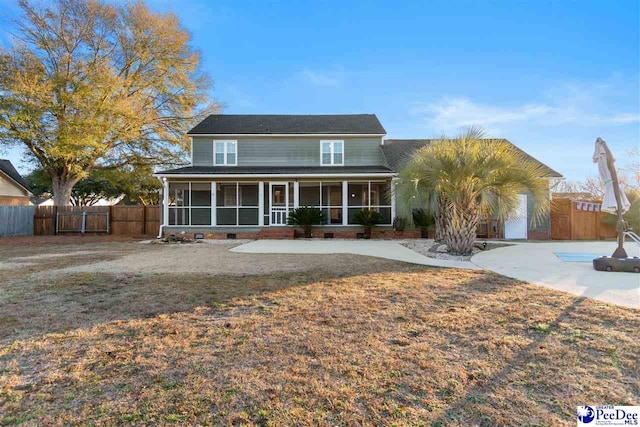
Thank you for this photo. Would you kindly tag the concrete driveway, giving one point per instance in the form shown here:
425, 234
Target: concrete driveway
537, 263
377, 248
530, 262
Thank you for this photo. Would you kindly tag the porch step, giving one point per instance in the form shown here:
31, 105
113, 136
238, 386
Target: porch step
276, 233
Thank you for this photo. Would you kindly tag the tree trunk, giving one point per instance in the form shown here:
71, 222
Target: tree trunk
62, 190
440, 220
307, 231
460, 229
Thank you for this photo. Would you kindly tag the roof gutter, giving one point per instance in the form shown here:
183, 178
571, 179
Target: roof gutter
288, 134
274, 175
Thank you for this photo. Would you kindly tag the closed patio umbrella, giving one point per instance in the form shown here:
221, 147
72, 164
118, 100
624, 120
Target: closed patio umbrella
615, 201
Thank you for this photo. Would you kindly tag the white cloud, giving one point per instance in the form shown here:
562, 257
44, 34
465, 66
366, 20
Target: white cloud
575, 106
323, 78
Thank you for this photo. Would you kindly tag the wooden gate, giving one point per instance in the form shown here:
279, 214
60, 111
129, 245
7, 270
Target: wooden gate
116, 220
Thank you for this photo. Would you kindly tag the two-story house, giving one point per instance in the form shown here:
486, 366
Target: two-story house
248, 171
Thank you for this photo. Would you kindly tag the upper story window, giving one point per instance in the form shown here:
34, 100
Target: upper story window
225, 153
332, 153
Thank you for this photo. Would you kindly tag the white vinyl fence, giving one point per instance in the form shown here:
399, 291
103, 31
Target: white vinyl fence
16, 220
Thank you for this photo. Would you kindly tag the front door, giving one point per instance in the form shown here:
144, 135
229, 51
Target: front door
516, 226
279, 197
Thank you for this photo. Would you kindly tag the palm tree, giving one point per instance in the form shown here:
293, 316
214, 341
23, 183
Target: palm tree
306, 218
460, 180
367, 218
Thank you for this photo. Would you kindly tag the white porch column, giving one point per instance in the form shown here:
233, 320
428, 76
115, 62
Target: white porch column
261, 203
214, 203
345, 203
393, 198
165, 201
296, 194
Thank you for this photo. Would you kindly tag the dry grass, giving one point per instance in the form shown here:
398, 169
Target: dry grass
339, 345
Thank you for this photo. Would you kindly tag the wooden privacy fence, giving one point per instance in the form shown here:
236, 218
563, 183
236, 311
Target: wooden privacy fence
16, 220
116, 220
570, 223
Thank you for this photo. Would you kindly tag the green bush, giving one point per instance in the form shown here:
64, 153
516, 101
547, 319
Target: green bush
306, 218
421, 219
368, 218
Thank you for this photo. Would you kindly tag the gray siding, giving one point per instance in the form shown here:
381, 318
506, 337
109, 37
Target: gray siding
290, 151
202, 152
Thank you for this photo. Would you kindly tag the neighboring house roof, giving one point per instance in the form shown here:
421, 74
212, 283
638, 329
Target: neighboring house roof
399, 152
282, 124
275, 170
7, 168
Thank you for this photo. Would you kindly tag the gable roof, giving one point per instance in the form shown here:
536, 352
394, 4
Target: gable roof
7, 168
399, 152
337, 124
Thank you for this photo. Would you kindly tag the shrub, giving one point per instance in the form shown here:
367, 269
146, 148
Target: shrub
368, 218
422, 220
399, 223
306, 218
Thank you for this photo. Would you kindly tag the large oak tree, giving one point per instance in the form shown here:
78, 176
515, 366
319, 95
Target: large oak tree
90, 85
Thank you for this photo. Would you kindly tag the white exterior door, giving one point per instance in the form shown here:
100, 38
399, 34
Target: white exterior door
279, 203
516, 226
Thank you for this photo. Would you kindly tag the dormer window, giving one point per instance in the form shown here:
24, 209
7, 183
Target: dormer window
225, 153
332, 153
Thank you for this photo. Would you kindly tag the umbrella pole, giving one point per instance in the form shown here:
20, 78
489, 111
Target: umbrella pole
619, 252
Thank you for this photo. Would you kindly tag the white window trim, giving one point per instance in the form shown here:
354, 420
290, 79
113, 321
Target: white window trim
225, 143
331, 143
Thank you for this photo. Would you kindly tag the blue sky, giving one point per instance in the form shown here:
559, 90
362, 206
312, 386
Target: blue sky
551, 76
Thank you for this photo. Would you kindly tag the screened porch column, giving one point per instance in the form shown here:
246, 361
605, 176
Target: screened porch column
345, 202
261, 203
214, 203
296, 194
165, 201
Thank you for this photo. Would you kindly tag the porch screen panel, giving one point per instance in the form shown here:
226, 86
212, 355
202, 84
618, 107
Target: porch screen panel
267, 204
248, 208
380, 196
200, 203
179, 203
374, 195
309, 194
332, 201
227, 203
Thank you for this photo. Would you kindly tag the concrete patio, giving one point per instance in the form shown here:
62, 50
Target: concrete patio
537, 263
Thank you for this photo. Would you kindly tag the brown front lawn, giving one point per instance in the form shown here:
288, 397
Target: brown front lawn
351, 341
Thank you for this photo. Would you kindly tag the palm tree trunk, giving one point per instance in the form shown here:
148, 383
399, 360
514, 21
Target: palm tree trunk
460, 229
440, 219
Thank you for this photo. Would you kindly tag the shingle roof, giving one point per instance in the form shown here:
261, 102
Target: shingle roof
342, 124
11, 172
399, 152
272, 170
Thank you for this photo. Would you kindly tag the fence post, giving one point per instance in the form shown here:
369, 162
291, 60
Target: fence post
144, 220
84, 221
109, 220
57, 219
